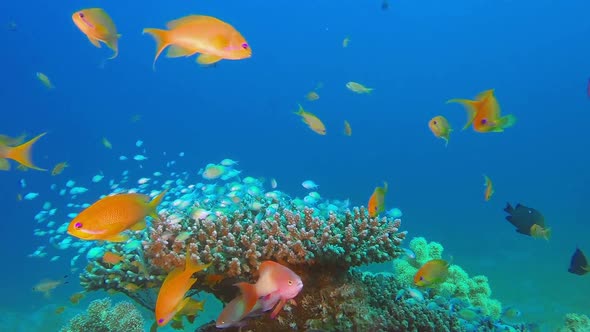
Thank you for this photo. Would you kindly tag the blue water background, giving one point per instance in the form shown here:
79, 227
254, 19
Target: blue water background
416, 55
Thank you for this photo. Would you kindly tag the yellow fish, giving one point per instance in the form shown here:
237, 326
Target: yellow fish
98, 26
106, 143
45, 80
440, 128
433, 272
46, 286
10, 141
59, 168
20, 154
312, 96
212, 38
539, 232
110, 216
312, 121
377, 201
489, 188
345, 42
347, 128
358, 88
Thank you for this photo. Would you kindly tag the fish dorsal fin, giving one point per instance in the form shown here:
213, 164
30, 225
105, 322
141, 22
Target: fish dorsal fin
485, 94
185, 20
94, 41
175, 51
207, 59
117, 238
139, 226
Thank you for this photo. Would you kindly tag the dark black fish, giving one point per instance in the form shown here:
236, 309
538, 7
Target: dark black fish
579, 263
523, 218
385, 5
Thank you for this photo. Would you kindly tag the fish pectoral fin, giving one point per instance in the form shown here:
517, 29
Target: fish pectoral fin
117, 238
140, 226
278, 308
175, 51
94, 41
182, 304
207, 59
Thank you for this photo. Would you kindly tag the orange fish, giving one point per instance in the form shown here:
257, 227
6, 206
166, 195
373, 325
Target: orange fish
21, 153
347, 128
377, 201
432, 273
171, 297
489, 188
59, 168
440, 128
213, 38
111, 258
110, 216
75, 298
213, 279
98, 26
484, 113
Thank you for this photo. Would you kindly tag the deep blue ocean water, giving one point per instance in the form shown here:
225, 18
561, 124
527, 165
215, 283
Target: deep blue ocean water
416, 55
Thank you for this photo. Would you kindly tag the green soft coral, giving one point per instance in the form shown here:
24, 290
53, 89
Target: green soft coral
475, 290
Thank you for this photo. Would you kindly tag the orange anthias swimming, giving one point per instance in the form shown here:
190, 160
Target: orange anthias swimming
171, 297
484, 113
377, 201
20, 154
489, 188
213, 38
98, 26
110, 216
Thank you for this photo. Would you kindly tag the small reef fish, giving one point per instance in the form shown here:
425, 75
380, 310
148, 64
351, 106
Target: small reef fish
579, 263
106, 143
275, 281
440, 128
171, 297
523, 218
98, 26
21, 153
213, 171
59, 168
111, 258
376, 203
510, 313
59, 310
347, 128
44, 80
183, 236
540, 232
110, 216
75, 298
312, 96
135, 118
309, 184
228, 162
469, 314
358, 88
484, 113
46, 286
345, 42
489, 188
212, 280
213, 38
234, 313
312, 121
432, 273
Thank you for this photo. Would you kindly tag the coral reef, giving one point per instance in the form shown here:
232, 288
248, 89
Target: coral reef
101, 317
575, 323
475, 290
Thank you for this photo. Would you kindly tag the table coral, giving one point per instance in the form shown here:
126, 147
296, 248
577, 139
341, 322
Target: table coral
101, 317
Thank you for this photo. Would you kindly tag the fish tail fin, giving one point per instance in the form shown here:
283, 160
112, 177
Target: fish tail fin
507, 121
249, 295
508, 208
547, 234
22, 153
300, 110
153, 205
113, 44
470, 107
162, 41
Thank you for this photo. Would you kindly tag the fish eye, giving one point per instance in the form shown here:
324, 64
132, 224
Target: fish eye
78, 225
245, 46
81, 15
484, 121
434, 122
161, 320
421, 278
290, 282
